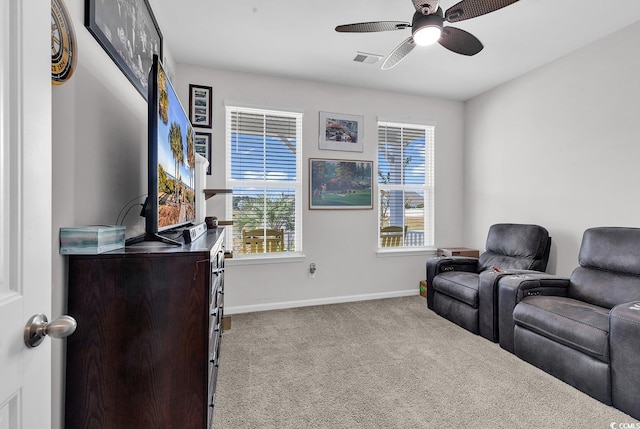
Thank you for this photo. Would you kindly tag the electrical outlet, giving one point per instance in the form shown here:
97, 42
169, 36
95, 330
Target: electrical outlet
312, 270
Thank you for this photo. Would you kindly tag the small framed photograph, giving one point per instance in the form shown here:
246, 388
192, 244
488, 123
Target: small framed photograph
341, 132
129, 42
340, 184
200, 98
202, 146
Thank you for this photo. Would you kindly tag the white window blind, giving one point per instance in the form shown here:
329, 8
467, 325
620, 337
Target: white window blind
264, 173
405, 185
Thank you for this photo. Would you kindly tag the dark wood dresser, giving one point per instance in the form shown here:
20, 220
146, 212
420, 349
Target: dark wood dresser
146, 351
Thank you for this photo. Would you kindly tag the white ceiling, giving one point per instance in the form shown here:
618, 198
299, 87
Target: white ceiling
296, 39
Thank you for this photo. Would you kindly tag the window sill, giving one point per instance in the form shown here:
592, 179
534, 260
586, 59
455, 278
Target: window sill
264, 259
390, 252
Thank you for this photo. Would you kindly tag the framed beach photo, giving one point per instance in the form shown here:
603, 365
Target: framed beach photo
127, 30
340, 184
200, 105
202, 146
341, 132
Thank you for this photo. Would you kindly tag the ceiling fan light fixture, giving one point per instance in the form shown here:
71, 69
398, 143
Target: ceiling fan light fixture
427, 35
427, 29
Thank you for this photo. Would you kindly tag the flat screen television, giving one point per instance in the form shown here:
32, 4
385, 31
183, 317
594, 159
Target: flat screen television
170, 202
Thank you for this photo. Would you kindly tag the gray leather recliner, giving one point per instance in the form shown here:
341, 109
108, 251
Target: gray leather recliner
584, 330
463, 289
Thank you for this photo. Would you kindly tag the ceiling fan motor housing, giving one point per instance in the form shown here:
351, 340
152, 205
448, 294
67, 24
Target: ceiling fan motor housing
426, 7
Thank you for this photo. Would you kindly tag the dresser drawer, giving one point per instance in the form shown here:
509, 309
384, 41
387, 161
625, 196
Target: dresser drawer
214, 339
216, 284
213, 378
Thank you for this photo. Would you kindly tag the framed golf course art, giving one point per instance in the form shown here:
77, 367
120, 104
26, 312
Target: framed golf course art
340, 184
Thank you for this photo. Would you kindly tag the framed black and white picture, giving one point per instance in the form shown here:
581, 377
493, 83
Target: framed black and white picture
341, 132
200, 98
202, 146
127, 30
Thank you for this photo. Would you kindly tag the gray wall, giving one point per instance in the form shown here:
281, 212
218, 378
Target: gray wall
342, 243
558, 147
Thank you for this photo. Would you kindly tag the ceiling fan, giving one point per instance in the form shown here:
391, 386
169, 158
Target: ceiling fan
427, 27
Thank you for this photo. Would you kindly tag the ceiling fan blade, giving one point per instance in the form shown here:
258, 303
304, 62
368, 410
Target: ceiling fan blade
372, 27
398, 54
459, 41
467, 9
426, 7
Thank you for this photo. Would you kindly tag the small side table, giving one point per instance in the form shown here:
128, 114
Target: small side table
458, 251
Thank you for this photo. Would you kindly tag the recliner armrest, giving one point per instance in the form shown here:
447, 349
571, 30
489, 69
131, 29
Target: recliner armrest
488, 300
442, 264
512, 288
624, 343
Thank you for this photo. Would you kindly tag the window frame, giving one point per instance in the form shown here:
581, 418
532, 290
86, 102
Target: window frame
295, 185
428, 187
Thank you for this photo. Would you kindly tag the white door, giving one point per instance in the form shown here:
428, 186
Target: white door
25, 210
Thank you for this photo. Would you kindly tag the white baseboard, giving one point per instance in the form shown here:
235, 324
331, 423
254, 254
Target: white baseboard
320, 301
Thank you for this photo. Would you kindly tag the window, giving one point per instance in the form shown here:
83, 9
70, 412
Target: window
405, 185
264, 173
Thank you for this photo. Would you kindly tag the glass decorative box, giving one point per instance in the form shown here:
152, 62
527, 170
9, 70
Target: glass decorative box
91, 240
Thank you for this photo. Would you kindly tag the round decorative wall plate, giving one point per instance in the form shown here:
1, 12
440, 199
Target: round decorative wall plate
63, 44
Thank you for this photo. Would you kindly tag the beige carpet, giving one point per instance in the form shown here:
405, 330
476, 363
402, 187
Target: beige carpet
385, 364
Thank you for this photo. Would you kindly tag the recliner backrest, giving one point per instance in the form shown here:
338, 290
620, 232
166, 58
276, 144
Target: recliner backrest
609, 271
516, 246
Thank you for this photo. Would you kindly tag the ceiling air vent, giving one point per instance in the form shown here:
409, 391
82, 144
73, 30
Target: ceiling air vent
362, 57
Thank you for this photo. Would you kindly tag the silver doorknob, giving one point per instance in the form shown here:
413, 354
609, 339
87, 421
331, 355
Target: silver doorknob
39, 327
